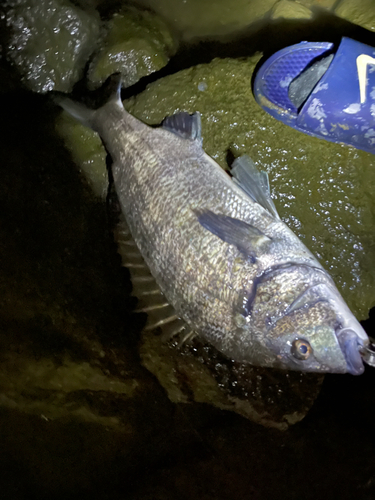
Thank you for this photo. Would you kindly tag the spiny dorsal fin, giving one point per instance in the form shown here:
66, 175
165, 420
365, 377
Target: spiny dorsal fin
254, 183
236, 232
184, 125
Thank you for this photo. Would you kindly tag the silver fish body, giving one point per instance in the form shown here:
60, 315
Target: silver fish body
232, 270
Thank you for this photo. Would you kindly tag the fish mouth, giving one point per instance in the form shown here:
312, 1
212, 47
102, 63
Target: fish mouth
350, 345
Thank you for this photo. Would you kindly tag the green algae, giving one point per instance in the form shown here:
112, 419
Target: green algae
323, 191
137, 44
87, 152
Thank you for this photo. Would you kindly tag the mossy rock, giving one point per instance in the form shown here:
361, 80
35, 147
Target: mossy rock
137, 43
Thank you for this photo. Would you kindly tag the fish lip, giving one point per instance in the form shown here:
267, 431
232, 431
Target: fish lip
350, 345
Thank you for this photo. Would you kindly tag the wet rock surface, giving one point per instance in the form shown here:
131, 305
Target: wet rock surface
189, 18
197, 373
361, 13
50, 42
72, 388
136, 44
79, 414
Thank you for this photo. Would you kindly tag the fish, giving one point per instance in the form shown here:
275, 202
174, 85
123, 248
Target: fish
213, 241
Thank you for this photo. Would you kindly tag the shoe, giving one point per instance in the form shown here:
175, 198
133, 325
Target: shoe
324, 92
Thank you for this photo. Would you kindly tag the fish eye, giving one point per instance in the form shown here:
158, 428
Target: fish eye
301, 349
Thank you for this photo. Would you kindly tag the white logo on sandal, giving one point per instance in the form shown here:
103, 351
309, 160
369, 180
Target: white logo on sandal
362, 62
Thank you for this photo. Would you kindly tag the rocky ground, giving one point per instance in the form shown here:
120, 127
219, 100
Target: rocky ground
87, 407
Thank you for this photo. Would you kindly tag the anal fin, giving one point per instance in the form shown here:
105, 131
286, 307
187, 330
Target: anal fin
151, 301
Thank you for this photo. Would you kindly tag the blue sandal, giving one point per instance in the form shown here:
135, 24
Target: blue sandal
321, 91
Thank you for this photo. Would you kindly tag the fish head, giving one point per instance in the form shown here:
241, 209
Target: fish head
319, 334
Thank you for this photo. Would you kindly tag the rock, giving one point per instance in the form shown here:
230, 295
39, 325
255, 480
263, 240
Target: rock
190, 18
322, 4
87, 151
288, 9
198, 373
310, 187
362, 13
137, 43
50, 42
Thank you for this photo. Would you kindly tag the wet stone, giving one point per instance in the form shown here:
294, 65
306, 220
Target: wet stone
189, 17
197, 372
288, 9
137, 43
50, 42
361, 13
76, 406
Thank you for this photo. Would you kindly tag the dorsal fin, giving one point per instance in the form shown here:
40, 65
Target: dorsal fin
184, 125
254, 183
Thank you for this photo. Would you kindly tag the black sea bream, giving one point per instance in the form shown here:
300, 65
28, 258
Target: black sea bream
231, 269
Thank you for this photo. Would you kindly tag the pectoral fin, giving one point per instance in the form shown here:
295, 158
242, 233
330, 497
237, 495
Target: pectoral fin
254, 183
236, 232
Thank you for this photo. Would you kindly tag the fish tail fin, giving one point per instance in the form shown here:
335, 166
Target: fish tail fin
76, 109
109, 92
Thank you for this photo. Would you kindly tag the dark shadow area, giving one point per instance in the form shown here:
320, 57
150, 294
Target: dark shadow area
52, 227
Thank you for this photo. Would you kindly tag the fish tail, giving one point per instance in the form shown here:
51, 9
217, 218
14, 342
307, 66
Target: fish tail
109, 92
